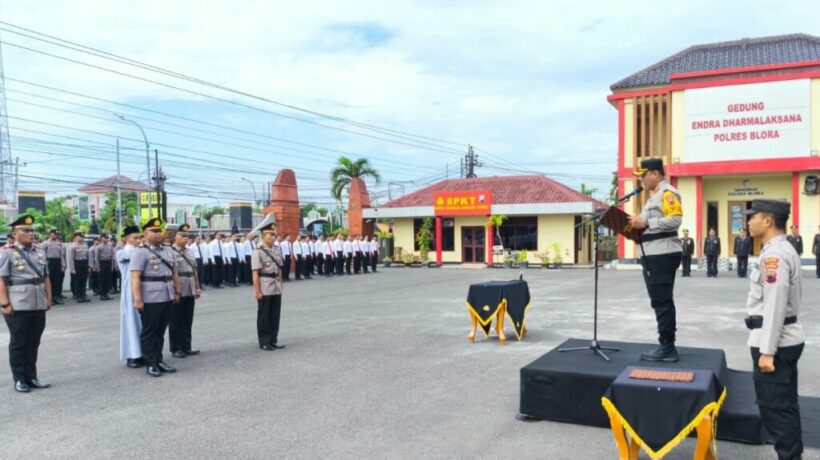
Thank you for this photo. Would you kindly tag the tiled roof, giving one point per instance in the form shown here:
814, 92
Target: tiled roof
714, 56
505, 190
109, 184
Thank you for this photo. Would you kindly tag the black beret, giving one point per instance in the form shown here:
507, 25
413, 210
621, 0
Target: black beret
776, 207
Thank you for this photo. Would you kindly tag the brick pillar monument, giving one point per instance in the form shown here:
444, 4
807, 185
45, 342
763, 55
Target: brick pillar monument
359, 199
284, 203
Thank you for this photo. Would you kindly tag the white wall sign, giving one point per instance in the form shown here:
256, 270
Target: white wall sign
748, 122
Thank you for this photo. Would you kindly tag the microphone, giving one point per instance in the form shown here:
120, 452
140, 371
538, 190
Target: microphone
637, 190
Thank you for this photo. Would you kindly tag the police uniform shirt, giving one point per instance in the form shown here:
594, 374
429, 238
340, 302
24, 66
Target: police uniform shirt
92, 257
260, 260
16, 270
184, 261
662, 214
151, 265
79, 251
52, 249
775, 293
104, 252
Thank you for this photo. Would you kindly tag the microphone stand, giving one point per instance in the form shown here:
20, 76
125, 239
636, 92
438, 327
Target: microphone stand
594, 345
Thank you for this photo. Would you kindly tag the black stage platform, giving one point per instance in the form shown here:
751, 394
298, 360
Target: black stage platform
567, 387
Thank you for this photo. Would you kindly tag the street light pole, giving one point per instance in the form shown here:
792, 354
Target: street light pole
119, 194
255, 201
147, 156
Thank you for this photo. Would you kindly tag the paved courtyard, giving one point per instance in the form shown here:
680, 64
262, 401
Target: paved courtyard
376, 366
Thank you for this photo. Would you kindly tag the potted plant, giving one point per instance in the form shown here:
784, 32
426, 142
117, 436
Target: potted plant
558, 259
508, 261
522, 259
544, 257
417, 261
387, 261
407, 259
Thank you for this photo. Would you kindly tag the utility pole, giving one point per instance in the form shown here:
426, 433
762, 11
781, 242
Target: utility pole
471, 162
5, 142
119, 194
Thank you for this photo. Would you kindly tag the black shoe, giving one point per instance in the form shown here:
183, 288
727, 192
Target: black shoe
276, 346
180, 354
154, 371
166, 368
21, 387
40, 384
217, 287
664, 353
192, 352
105, 297
57, 302
134, 363
267, 347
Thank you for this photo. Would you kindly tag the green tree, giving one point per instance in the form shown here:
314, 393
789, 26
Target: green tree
58, 216
497, 220
613, 189
424, 237
588, 190
347, 169
108, 213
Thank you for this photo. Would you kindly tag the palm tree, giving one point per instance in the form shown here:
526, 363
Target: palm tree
347, 169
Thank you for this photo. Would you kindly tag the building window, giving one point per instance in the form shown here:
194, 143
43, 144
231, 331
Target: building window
448, 234
519, 233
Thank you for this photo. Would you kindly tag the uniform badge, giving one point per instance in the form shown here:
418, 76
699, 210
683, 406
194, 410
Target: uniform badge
771, 264
267, 264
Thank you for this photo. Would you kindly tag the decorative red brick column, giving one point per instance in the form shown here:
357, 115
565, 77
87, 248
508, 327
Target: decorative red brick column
359, 199
284, 203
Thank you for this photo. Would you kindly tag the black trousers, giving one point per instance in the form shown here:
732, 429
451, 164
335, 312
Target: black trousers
104, 277
286, 268
247, 279
25, 330
320, 263
742, 266
711, 265
233, 271
79, 278
659, 275
340, 260
357, 262
200, 271
374, 261
817, 265
56, 274
299, 266
308, 266
155, 318
268, 311
366, 262
329, 265
179, 329
216, 271
686, 265
207, 278
116, 278
348, 262
93, 283
776, 398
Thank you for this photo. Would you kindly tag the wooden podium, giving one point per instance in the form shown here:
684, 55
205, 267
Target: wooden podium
617, 220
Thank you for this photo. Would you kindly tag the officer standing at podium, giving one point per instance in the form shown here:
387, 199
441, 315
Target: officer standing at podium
662, 252
776, 336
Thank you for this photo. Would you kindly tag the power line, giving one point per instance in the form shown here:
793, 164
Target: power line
111, 56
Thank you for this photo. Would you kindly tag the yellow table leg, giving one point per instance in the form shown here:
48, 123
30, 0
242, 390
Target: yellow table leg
499, 325
626, 451
473, 326
703, 449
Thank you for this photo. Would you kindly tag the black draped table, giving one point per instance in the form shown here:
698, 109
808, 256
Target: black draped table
493, 299
659, 414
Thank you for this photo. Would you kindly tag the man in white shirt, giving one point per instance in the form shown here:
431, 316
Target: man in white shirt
374, 252
234, 260
348, 250
338, 253
327, 249
365, 253
307, 259
204, 249
299, 256
311, 262
217, 255
247, 250
286, 248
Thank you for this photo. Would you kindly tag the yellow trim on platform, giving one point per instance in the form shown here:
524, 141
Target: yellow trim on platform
710, 409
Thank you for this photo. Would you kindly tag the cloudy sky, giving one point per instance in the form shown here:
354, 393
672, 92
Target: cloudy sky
405, 84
